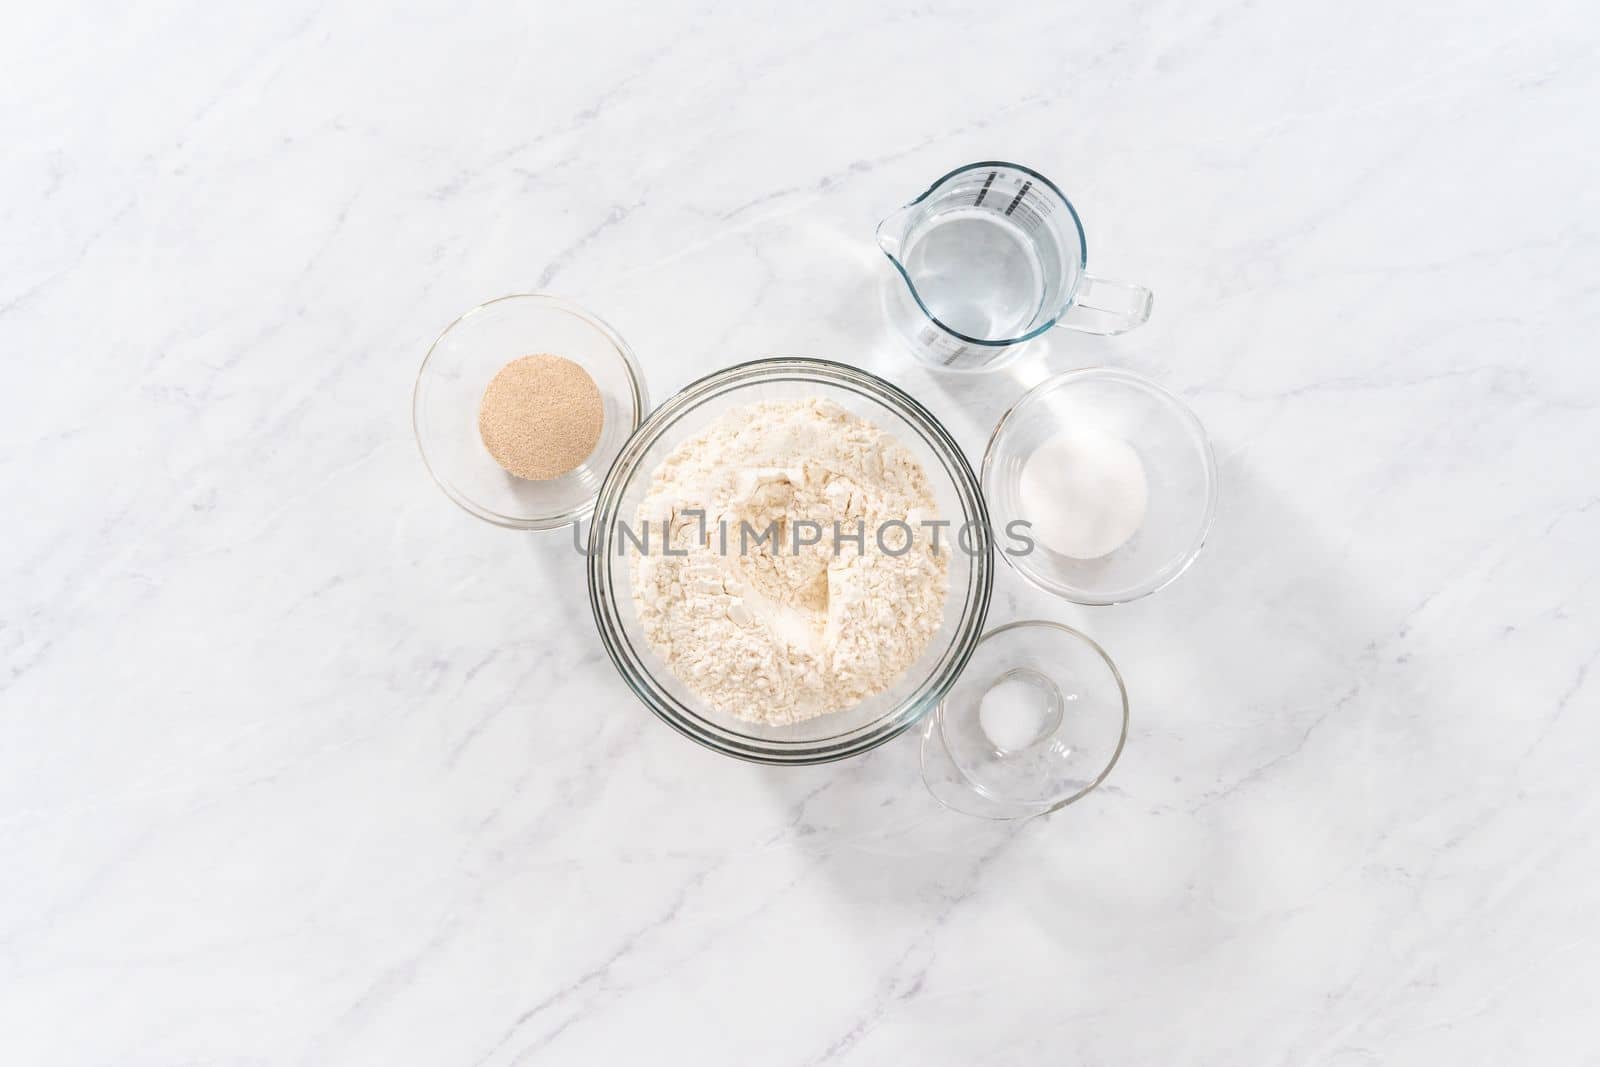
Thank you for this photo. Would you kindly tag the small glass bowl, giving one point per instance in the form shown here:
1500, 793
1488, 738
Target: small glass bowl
1037, 720
958, 499
458, 368
1180, 473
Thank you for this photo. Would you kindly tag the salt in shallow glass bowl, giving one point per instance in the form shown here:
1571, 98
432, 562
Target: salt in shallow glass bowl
958, 499
1056, 729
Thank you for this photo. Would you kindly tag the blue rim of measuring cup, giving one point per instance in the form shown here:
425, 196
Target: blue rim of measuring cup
1083, 256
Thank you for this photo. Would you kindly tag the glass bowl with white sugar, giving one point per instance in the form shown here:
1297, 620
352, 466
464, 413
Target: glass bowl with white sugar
1104, 486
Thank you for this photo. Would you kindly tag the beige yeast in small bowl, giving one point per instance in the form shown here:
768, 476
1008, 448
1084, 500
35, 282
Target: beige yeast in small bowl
450, 392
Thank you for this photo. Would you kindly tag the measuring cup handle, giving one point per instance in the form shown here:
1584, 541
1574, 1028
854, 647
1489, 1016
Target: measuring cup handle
1105, 307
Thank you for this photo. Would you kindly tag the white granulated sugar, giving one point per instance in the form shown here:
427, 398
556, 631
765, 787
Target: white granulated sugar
775, 636
1086, 492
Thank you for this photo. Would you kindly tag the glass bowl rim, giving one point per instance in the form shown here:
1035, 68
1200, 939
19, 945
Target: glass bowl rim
636, 387
604, 606
1072, 594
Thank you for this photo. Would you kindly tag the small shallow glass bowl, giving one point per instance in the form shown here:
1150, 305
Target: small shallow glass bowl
459, 367
1076, 718
1180, 473
958, 498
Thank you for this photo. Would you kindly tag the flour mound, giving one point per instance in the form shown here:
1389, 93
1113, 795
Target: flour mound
771, 634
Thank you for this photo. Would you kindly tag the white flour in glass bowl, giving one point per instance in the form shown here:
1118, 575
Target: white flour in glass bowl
759, 623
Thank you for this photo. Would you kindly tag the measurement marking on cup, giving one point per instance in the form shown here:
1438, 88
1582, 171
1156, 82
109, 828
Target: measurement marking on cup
985, 190
1020, 194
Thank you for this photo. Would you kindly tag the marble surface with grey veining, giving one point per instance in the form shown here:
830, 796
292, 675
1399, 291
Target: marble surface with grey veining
301, 764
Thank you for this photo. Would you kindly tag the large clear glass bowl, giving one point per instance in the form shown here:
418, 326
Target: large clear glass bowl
959, 500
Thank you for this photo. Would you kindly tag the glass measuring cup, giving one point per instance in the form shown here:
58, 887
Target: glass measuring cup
990, 257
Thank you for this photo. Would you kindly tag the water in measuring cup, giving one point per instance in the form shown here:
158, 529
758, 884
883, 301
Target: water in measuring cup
977, 272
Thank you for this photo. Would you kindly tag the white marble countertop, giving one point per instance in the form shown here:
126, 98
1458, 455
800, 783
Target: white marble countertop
301, 764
